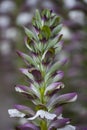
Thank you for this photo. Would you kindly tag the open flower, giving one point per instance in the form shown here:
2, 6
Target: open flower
43, 114
15, 113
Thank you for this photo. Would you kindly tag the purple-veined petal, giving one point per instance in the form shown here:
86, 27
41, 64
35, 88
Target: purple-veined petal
58, 76
64, 61
65, 98
43, 114
55, 67
58, 111
37, 75
61, 73
24, 109
22, 88
33, 74
25, 90
24, 70
54, 86
28, 59
31, 90
27, 73
28, 126
15, 113
70, 97
58, 123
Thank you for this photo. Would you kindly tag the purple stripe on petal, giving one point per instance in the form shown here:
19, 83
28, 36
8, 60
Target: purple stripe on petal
62, 99
23, 88
58, 76
25, 109
28, 126
64, 61
60, 44
70, 97
26, 91
27, 73
22, 55
27, 58
19, 53
58, 110
53, 87
23, 70
58, 123
60, 73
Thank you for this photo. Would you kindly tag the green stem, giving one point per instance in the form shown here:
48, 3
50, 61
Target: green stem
44, 125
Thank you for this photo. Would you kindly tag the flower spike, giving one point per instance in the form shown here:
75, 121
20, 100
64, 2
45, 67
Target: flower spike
43, 73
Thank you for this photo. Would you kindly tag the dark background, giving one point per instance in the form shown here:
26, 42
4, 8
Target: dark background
16, 13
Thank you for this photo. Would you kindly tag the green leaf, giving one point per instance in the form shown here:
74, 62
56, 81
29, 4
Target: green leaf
27, 43
39, 47
58, 47
55, 21
37, 22
54, 67
46, 13
30, 34
45, 32
41, 106
60, 37
26, 72
51, 43
28, 59
56, 30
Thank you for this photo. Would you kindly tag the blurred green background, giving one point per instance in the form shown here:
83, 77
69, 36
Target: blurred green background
14, 14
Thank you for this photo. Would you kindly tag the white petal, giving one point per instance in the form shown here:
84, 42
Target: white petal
73, 99
60, 116
15, 113
49, 116
17, 89
68, 127
43, 114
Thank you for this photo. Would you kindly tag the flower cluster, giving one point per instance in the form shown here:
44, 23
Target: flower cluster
44, 75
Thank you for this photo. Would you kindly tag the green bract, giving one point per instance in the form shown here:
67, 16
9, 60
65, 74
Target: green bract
44, 74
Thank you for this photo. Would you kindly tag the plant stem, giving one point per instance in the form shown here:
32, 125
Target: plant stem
44, 125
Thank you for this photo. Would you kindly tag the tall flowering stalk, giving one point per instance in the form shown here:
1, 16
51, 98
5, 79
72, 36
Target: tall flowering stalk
44, 75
